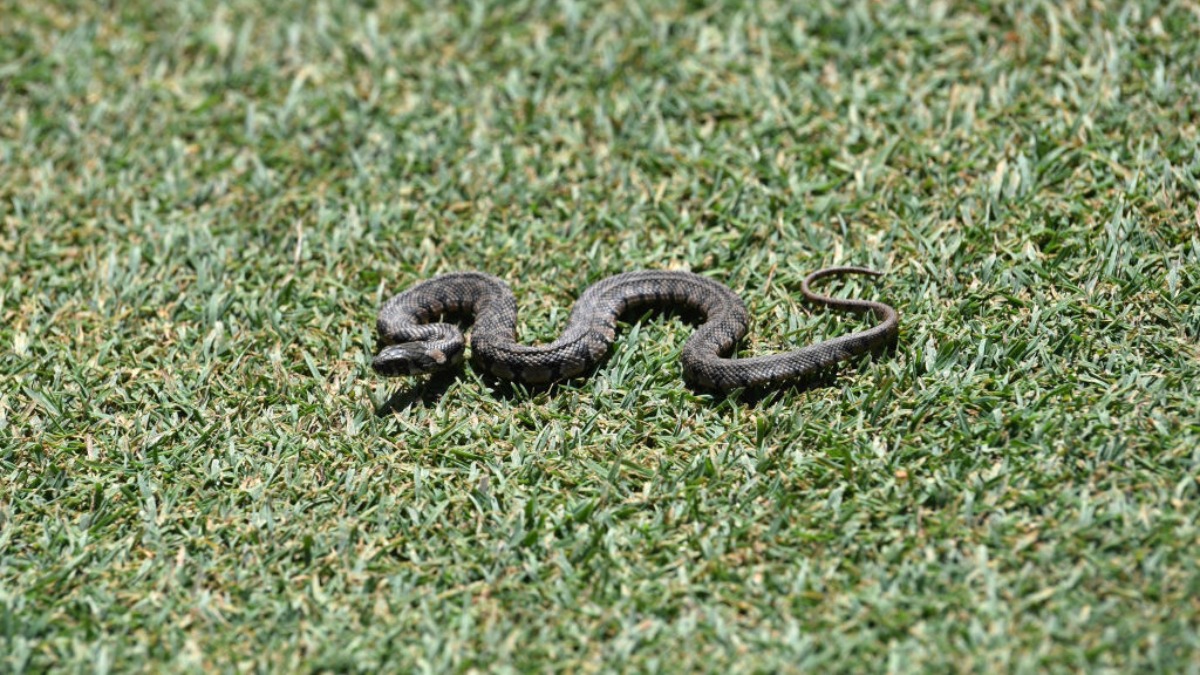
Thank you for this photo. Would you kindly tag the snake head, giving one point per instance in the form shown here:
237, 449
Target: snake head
410, 358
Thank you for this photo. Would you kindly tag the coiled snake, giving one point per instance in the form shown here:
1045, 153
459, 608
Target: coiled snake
414, 345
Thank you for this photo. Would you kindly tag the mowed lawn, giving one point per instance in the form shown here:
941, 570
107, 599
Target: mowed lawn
203, 204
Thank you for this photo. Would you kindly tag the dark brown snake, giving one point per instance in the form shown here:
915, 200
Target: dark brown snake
416, 345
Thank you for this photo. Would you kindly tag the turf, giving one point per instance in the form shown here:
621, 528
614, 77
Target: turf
204, 203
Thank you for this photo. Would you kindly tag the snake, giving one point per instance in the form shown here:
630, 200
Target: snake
416, 338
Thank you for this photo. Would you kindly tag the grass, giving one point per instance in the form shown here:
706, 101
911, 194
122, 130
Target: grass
204, 203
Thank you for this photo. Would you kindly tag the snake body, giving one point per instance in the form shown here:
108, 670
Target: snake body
416, 342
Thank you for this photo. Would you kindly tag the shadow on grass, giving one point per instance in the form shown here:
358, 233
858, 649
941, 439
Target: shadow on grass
429, 391
510, 391
424, 392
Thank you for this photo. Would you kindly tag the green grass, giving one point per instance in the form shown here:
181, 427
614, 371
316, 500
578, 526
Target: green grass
203, 205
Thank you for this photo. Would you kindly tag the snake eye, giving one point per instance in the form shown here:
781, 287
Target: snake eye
406, 358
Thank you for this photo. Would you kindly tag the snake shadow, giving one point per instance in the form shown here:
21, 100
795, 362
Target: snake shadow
429, 391
426, 391
826, 378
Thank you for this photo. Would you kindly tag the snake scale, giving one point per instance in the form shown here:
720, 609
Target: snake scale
416, 342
